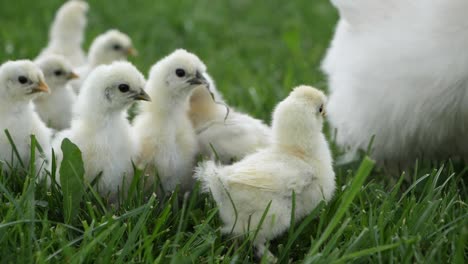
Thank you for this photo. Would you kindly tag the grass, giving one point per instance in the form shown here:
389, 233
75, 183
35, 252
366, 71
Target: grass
256, 51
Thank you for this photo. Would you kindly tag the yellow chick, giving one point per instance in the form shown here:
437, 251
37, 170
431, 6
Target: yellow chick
298, 161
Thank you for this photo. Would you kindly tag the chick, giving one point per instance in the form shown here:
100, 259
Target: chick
222, 132
106, 48
20, 82
395, 72
167, 139
100, 128
55, 109
298, 161
67, 32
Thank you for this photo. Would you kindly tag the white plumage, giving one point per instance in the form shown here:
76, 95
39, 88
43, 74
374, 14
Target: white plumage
167, 139
298, 161
55, 108
396, 71
106, 48
20, 82
101, 129
67, 32
232, 135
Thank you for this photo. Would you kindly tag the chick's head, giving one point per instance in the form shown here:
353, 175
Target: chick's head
71, 15
112, 88
111, 46
177, 75
57, 70
21, 80
302, 110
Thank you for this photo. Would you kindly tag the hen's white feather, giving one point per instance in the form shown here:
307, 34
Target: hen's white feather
395, 71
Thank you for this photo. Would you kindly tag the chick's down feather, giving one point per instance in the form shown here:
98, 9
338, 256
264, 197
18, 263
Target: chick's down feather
20, 82
298, 161
222, 132
166, 137
101, 129
67, 33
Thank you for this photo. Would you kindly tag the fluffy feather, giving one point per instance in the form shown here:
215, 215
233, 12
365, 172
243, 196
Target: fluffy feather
298, 161
101, 129
67, 32
20, 82
395, 71
232, 135
167, 138
106, 48
55, 108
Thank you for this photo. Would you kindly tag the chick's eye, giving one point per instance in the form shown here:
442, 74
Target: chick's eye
321, 109
58, 72
180, 72
124, 88
117, 47
22, 79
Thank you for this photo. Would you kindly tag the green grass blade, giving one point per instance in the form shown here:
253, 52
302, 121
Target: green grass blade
361, 175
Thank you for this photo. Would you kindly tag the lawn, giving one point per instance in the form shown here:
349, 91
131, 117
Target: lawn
256, 51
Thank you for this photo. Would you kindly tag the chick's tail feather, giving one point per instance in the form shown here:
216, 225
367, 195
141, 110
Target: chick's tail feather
208, 174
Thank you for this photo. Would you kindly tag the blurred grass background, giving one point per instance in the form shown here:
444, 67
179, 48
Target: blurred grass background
256, 51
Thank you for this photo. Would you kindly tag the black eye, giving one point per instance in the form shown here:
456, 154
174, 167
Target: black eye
321, 109
124, 88
58, 72
117, 47
180, 72
22, 79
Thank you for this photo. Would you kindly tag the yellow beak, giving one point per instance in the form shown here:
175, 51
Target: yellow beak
132, 51
41, 87
73, 75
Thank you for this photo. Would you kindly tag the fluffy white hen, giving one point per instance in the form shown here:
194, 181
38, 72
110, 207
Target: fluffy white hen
223, 132
167, 140
67, 32
101, 129
396, 71
298, 161
20, 82
55, 108
106, 48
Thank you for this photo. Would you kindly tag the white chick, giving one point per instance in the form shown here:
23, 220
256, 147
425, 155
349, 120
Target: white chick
67, 32
231, 134
20, 82
298, 161
395, 71
101, 129
106, 48
167, 140
55, 109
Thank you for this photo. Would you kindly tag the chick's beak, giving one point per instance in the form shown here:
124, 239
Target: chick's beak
131, 51
198, 80
41, 87
142, 96
72, 76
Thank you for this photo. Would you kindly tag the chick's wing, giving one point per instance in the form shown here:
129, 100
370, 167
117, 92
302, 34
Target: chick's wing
274, 174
